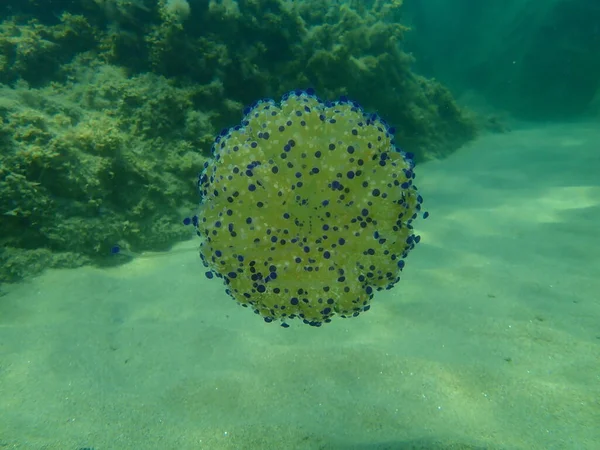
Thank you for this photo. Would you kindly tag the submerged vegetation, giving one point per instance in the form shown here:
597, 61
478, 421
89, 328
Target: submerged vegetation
109, 107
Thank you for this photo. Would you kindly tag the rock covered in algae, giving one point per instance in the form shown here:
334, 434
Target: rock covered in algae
307, 208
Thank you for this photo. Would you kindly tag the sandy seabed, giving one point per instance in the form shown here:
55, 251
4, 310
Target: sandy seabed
490, 341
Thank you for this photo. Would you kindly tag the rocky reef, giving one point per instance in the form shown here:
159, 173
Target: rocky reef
109, 107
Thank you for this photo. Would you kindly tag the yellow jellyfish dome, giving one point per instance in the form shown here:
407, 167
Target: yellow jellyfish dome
306, 209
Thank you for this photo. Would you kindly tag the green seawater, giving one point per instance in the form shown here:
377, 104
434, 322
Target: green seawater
111, 335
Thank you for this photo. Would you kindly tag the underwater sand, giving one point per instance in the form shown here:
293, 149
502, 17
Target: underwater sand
491, 340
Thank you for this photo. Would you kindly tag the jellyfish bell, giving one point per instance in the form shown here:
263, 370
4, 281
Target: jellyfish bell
307, 209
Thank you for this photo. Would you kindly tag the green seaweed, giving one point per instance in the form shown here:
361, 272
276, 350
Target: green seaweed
81, 170
109, 107
34, 52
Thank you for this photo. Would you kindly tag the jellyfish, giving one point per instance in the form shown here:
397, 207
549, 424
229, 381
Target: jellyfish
307, 209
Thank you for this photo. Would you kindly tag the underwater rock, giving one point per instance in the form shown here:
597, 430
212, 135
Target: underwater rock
307, 209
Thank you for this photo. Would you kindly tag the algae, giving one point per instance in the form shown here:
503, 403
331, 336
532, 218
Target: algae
109, 107
82, 167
